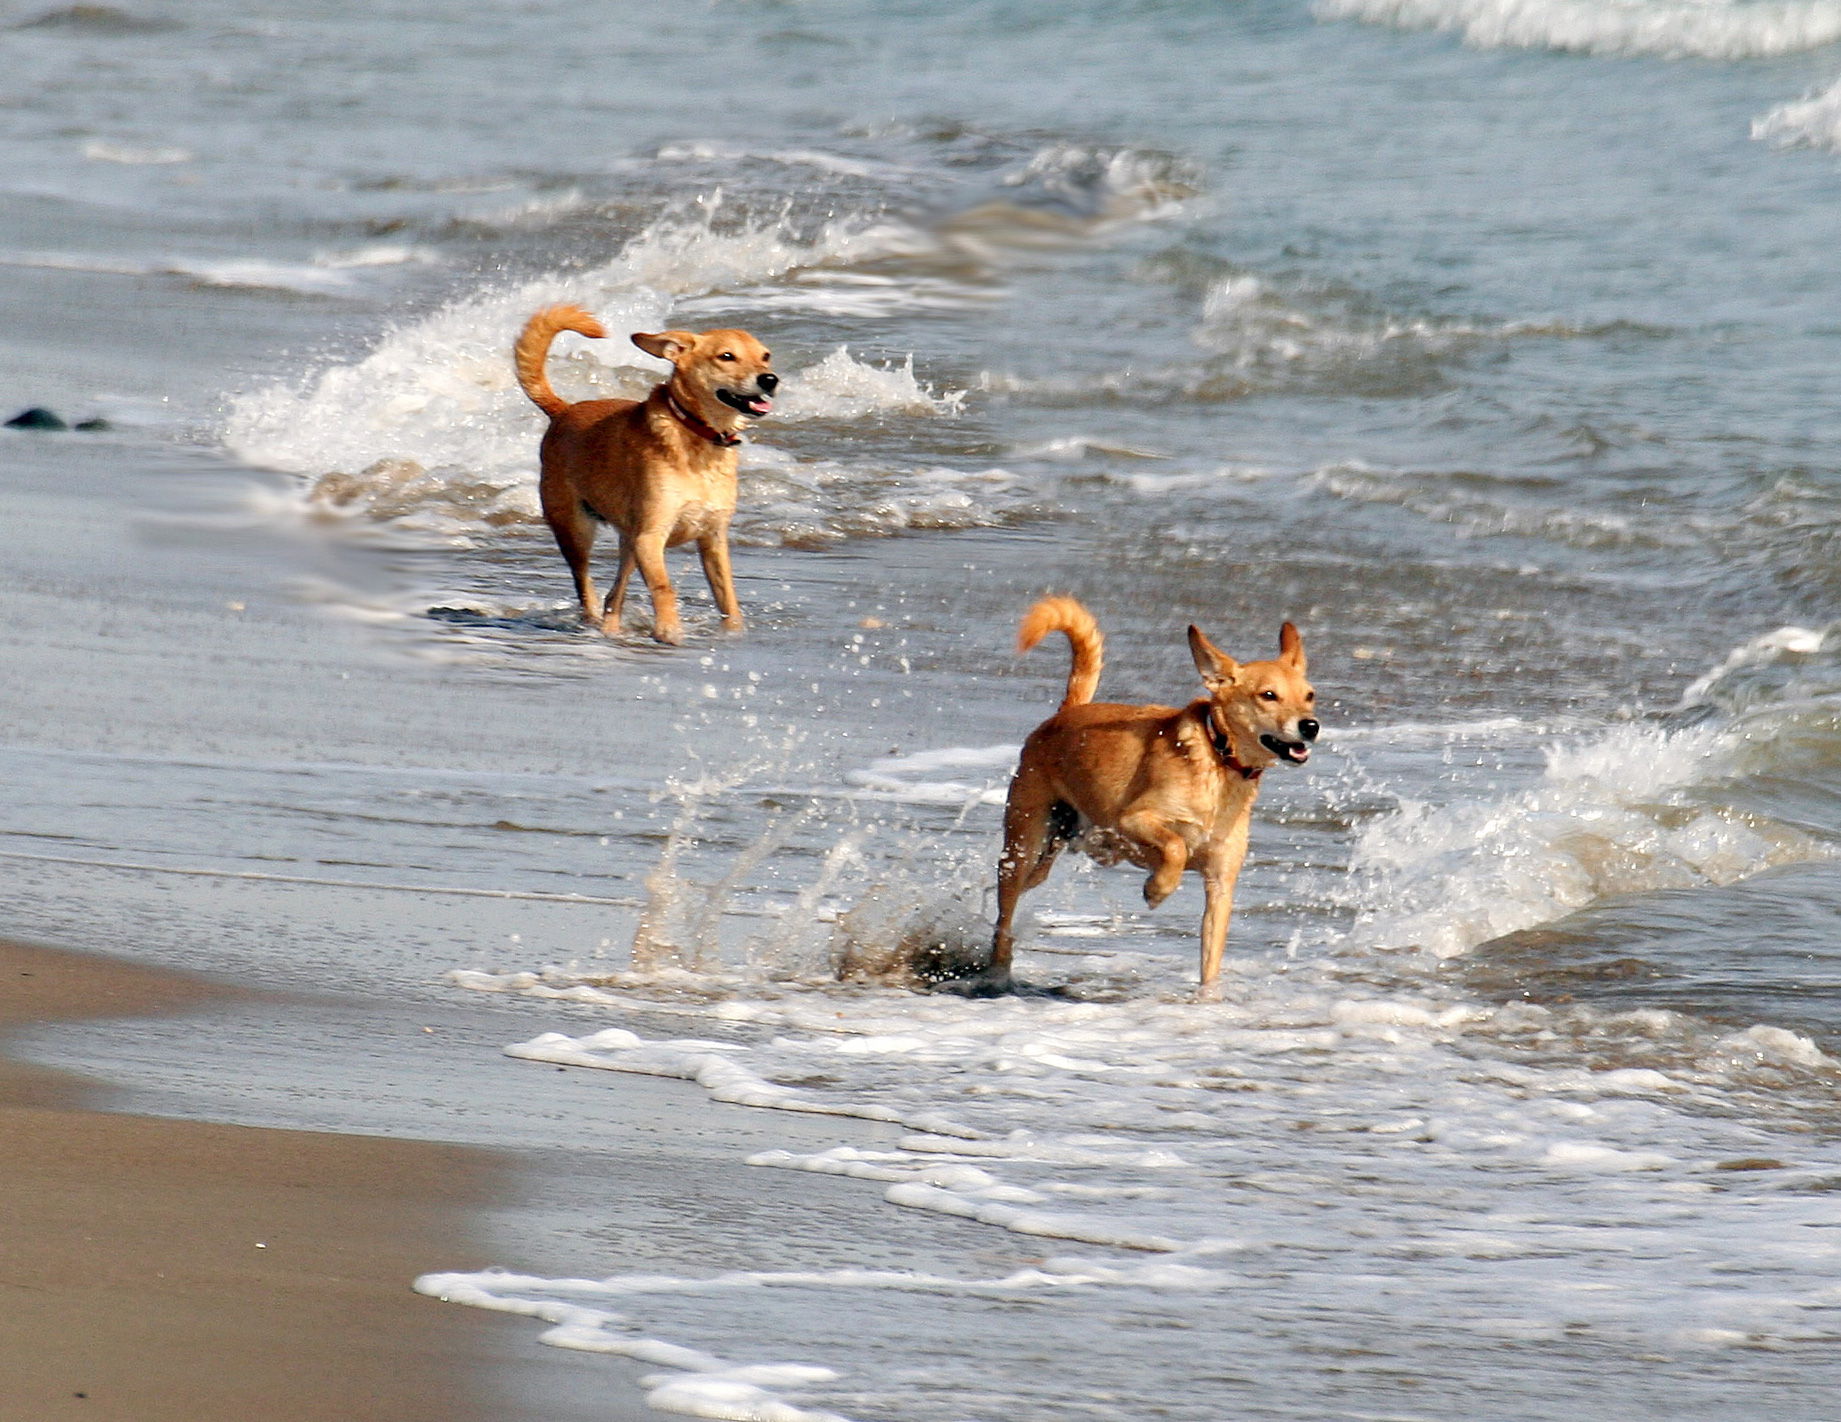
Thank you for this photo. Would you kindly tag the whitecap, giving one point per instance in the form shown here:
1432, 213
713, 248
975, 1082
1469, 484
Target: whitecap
439, 396
1813, 121
1671, 29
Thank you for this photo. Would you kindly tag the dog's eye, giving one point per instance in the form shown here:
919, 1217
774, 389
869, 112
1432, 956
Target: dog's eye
766, 357
726, 355
1268, 696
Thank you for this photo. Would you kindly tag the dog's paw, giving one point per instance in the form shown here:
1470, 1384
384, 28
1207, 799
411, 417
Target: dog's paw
734, 624
670, 634
1156, 892
981, 985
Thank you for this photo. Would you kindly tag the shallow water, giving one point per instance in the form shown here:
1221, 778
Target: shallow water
1494, 342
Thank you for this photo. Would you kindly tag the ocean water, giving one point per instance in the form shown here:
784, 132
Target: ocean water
1496, 343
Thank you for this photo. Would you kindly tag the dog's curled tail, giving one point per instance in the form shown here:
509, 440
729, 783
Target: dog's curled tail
1063, 614
533, 350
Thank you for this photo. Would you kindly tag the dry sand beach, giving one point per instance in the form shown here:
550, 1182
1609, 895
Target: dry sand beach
187, 1270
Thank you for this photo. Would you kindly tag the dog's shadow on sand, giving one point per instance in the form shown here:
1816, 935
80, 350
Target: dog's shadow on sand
568, 622
544, 619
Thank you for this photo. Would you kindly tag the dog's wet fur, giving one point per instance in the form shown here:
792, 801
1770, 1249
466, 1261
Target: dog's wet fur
660, 470
1165, 788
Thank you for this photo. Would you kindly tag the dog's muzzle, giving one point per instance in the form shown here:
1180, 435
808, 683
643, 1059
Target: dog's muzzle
752, 404
1293, 752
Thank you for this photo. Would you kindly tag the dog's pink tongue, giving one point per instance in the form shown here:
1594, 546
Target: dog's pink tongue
760, 405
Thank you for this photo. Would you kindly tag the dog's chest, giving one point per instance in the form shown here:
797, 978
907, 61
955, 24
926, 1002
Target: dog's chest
708, 503
700, 520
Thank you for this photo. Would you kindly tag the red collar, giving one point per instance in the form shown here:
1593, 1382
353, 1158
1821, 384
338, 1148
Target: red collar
697, 426
1224, 748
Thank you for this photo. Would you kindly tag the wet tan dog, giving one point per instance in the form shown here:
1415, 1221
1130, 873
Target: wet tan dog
1163, 788
660, 470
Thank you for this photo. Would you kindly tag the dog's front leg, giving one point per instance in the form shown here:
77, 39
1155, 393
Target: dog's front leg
1220, 867
1214, 932
649, 551
714, 550
1155, 834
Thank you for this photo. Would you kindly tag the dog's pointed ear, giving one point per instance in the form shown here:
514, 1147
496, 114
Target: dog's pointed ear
666, 345
1217, 668
1291, 648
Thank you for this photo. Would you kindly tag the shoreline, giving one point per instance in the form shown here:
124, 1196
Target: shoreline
157, 1269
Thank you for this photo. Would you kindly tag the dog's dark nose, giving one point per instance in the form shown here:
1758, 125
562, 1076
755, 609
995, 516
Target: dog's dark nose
767, 380
1308, 729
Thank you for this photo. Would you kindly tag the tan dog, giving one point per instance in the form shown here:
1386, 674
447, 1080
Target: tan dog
1166, 789
660, 470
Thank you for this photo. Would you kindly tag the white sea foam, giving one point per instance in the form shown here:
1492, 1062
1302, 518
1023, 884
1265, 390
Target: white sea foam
700, 1385
375, 254
1611, 816
1193, 1131
917, 779
581, 1316
429, 429
1672, 29
1105, 185
809, 503
103, 150
717, 152
842, 388
328, 274
1762, 655
1813, 122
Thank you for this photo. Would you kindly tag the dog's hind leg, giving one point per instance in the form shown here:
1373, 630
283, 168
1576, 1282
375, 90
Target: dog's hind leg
616, 599
574, 528
714, 550
1036, 826
1063, 826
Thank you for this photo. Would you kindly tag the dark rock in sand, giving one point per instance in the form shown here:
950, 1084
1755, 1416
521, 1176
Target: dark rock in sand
97, 423
37, 418
98, 20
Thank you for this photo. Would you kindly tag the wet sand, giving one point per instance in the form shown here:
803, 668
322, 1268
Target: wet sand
154, 1269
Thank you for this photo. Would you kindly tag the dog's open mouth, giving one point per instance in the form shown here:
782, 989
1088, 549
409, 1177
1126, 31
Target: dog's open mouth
748, 404
1297, 752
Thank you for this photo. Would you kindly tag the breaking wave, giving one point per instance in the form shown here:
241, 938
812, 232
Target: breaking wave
429, 429
1670, 29
1814, 122
1635, 809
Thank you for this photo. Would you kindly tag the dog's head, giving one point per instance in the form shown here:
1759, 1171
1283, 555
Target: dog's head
722, 377
1267, 710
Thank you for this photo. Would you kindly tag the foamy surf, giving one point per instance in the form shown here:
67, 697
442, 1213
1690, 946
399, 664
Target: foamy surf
1812, 122
429, 429
1617, 814
1287, 1140
1671, 29
330, 273
698, 1384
